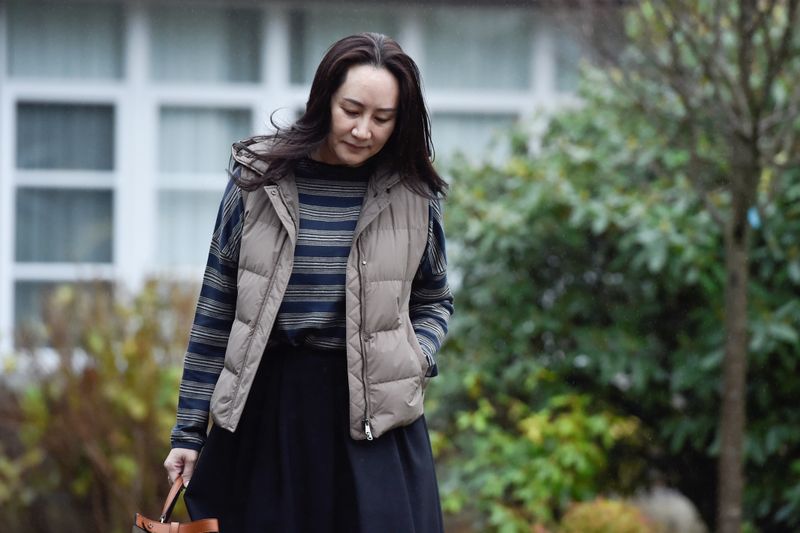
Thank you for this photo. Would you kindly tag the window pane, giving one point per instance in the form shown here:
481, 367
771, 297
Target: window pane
313, 31
186, 222
469, 134
568, 58
65, 40
65, 136
31, 298
194, 139
72, 225
205, 44
477, 49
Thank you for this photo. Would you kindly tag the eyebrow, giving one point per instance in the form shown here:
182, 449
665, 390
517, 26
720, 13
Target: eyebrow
359, 104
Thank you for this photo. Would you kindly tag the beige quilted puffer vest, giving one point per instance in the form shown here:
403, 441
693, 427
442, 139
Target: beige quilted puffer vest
386, 366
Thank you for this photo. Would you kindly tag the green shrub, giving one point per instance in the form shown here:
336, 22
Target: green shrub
605, 516
85, 437
583, 270
526, 465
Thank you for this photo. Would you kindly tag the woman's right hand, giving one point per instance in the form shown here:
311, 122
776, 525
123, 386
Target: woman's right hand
180, 462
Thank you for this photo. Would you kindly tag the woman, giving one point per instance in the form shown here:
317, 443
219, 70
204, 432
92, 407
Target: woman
324, 302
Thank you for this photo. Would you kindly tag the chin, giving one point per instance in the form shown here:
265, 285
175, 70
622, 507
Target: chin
353, 161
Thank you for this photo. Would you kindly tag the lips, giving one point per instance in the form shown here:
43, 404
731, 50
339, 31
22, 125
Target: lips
355, 147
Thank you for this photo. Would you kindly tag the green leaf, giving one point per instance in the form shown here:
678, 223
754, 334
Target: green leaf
784, 332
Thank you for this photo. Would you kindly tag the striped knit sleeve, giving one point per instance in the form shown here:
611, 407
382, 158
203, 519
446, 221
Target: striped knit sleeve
213, 318
431, 301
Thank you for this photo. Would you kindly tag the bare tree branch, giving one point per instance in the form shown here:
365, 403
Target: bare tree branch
776, 60
788, 139
697, 167
781, 115
782, 139
761, 23
746, 30
719, 9
713, 66
593, 23
715, 213
790, 164
673, 70
731, 97
612, 58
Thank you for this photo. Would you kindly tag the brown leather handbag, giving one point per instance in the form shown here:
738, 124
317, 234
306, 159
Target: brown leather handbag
142, 524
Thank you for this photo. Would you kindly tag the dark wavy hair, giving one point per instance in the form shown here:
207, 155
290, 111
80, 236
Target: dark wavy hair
408, 151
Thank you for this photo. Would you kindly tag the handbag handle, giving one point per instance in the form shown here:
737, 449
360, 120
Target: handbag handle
142, 524
172, 499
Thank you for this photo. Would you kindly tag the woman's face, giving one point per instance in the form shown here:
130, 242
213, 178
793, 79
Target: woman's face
363, 116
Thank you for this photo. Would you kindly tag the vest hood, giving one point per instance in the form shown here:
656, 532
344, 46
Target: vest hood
241, 153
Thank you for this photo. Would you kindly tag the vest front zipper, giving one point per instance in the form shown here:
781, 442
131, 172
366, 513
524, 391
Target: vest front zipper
365, 373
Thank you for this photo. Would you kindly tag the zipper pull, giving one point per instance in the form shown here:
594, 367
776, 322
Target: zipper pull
367, 429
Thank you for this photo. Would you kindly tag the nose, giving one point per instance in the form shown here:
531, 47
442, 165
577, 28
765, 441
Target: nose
361, 131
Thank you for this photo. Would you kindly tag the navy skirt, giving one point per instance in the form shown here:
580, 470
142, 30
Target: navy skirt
291, 465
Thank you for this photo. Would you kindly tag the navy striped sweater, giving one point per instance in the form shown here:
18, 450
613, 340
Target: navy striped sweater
313, 308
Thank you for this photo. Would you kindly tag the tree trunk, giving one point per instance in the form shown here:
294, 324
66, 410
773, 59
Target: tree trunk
734, 385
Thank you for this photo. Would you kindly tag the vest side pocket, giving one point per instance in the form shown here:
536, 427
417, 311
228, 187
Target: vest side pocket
382, 306
423, 361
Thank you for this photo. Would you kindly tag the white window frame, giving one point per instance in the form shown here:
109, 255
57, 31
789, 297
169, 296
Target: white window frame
137, 100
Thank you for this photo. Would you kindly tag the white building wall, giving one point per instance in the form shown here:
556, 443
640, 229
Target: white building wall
145, 107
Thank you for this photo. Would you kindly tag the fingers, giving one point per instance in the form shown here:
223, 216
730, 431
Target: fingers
180, 462
173, 471
188, 470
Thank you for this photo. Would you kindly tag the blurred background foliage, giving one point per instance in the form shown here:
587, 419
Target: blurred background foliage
86, 429
587, 338
605, 516
583, 360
